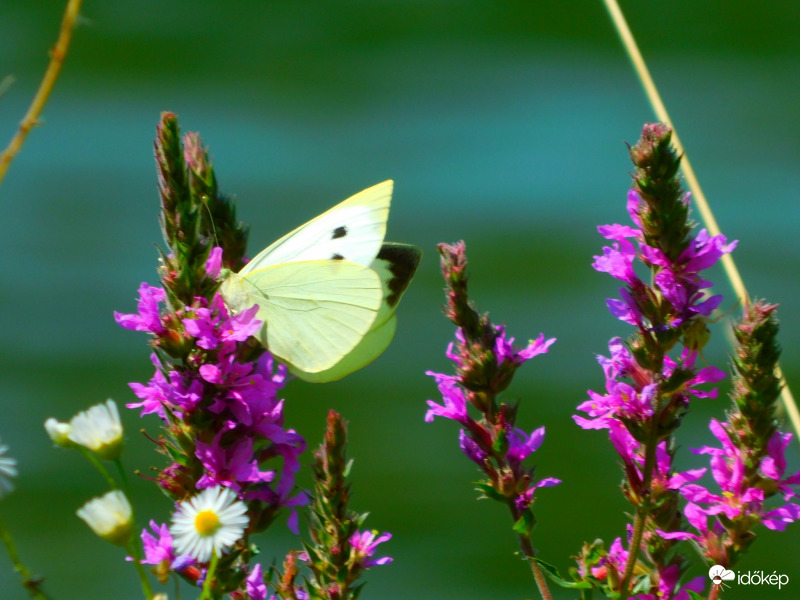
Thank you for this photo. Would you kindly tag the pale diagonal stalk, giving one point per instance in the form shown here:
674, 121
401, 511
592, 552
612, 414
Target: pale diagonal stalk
31, 118
700, 201
27, 579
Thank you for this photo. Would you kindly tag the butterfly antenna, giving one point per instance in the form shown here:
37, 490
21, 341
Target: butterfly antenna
211, 220
699, 198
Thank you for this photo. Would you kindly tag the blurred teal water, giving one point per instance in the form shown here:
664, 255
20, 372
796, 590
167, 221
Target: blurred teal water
502, 124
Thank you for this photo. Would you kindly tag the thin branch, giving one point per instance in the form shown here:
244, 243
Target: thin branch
706, 213
29, 582
57, 55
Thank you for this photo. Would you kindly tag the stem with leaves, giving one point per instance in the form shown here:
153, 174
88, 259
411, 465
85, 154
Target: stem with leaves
485, 364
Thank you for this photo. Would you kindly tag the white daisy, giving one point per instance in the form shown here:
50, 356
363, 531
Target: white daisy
8, 470
98, 429
209, 523
110, 517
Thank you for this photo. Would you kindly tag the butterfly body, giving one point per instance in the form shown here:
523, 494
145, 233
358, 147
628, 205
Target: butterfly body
326, 292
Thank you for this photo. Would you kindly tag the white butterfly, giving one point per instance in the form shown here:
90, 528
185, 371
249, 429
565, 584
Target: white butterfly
327, 291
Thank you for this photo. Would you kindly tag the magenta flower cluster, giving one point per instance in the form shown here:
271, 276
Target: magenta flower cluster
632, 391
739, 501
454, 394
678, 280
475, 440
242, 443
485, 361
364, 545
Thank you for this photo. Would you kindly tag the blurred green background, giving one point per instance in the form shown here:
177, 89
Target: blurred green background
502, 123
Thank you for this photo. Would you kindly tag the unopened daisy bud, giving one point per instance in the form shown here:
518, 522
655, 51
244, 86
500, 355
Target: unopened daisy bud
8, 470
209, 523
58, 432
110, 516
99, 429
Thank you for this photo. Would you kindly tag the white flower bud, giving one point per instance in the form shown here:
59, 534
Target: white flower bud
99, 429
110, 517
58, 432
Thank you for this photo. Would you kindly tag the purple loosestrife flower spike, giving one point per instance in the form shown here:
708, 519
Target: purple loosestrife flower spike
485, 362
194, 216
215, 393
755, 385
338, 552
650, 382
749, 466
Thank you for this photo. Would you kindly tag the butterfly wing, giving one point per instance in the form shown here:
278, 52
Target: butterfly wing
314, 311
352, 230
395, 265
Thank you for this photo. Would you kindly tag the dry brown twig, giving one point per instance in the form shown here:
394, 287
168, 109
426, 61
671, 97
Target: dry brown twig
31, 118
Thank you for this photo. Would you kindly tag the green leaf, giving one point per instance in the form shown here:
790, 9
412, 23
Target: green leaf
555, 576
525, 524
490, 492
176, 455
355, 591
695, 595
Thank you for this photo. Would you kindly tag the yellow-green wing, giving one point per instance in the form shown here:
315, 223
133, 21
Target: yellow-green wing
395, 265
352, 230
315, 312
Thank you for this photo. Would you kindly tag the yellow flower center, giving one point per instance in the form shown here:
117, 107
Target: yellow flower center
206, 522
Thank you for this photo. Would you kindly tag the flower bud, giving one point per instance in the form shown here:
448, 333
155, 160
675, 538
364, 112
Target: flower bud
58, 432
99, 429
110, 517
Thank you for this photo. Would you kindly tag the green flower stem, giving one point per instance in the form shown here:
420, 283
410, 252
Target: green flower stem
538, 576
28, 582
633, 549
209, 577
136, 553
642, 512
90, 456
123, 477
134, 547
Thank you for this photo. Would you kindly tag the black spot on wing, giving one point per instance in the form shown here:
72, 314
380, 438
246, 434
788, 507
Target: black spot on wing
339, 232
337, 256
403, 260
